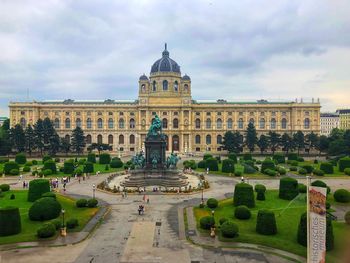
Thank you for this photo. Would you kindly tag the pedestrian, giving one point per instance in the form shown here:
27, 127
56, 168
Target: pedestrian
20, 177
147, 200
79, 179
24, 184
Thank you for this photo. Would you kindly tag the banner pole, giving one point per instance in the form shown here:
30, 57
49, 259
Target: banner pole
308, 217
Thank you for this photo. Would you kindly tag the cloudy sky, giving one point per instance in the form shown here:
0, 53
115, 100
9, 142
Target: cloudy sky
235, 50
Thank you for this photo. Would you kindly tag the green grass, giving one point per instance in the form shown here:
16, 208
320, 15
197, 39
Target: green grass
238, 167
287, 223
29, 227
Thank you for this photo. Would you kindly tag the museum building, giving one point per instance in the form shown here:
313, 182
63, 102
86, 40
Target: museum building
190, 125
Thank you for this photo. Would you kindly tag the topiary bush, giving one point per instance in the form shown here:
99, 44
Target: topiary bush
190, 164
207, 222
12, 197
229, 229
281, 170
201, 164
300, 159
267, 164
46, 158
248, 169
72, 223
327, 168
14, 172
347, 217
116, 163
49, 194
309, 168
45, 208
242, 212
292, 157
222, 220
37, 187
57, 223
293, 168
266, 222
81, 203
279, 157
50, 164
302, 171
10, 166
342, 196
68, 167
91, 158
47, 172
207, 156
28, 163
92, 202
4, 187
26, 169
212, 164
320, 183
34, 162
238, 173
20, 158
344, 163
244, 195
228, 166
78, 172
105, 158
247, 157
212, 203
88, 167
270, 172
319, 172
47, 230
260, 189
302, 230
10, 221
347, 171
329, 234
302, 188
288, 188
233, 157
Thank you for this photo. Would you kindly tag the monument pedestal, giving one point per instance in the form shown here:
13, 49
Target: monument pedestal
155, 147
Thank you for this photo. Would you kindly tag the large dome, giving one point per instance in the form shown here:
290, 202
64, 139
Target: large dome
165, 64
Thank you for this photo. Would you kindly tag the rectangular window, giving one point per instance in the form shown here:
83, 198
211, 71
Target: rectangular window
78, 113
208, 113
198, 149
110, 113
198, 113
176, 113
121, 113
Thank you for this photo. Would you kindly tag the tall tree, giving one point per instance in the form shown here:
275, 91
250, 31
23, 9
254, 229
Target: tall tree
78, 140
287, 143
323, 144
5, 142
18, 138
30, 139
299, 140
65, 145
39, 135
233, 142
55, 144
275, 141
99, 147
312, 140
251, 137
49, 133
263, 143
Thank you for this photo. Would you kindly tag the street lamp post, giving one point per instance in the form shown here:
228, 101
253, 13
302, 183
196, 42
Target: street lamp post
63, 227
202, 188
93, 191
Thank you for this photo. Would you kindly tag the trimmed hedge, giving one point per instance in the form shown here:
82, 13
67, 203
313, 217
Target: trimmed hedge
72, 223
14, 172
47, 172
270, 172
293, 168
91, 158
302, 188
344, 163
280, 158
342, 196
81, 203
347, 217
92, 202
4, 187
288, 188
281, 170
292, 156
37, 187
49, 194
105, 158
247, 156
319, 172
207, 222
20, 158
190, 164
88, 167
201, 164
229, 229
347, 171
327, 168
260, 189
9, 166
302, 171
267, 164
233, 157
45, 208
207, 156
212, 164
50, 164
10, 221
228, 166
26, 169
46, 158
248, 169
320, 183
47, 230
244, 195
242, 212
68, 167
309, 168
212, 203
116, 163
266, 222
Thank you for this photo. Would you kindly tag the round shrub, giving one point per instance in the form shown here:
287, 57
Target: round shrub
293, 163
302, 171
201, 164
26, 169
12, 197
82, 161
280, 158
72, 223
207, 222
347, 217
292, 156
233, 157
45, 208
10, 221
116, 163
344, 163
281, 170
47, 172
229, 229
92, 202
4, 187
212, 164
347, 171
9, 166
14, 172
266, 222
81, 203
50, 164
190, 164
293, 168
327, 168
248, 169
302, 188
222, 220
105, 158
342, 196
47, 230
300, 159
260, 188
57, 223
68, 167
207, 156
288, 188
242, 212
91, 158
46, 158
228, 166
88, 167
319, 172
212, 203
78, 172
320, 183
37, 188
270, 172
57, 160
20, 158
4, 159
238, 173
309, 168
267, 164
244, 195
49, 194
34, 162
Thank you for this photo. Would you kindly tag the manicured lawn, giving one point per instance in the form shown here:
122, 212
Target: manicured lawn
29, 227
287, 223
238, 167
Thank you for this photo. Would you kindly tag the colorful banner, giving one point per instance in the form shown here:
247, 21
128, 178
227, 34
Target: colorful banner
317, 224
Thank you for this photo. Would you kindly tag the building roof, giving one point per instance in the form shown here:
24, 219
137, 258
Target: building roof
165, 64
328, 115
186, 77
343, 111
143, 77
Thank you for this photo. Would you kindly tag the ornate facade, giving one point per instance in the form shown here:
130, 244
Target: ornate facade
190, 125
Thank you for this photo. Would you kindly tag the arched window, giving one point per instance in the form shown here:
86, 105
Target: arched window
251, 120
78, 122
143, 88
164, 123
219, 124
307, 123
198, 123
186, 88
67, 138
240, 123
154, 86
176, 86
165, 85
88, 139
284, 123
56, 123
67, 123
99, 139
110, 139
121, 123
132, 139
132, 124
219, 139
121, 139
273, 124
229, 124
99, 123
175, 123
262, 123
208, 139
110, 123
88, 123
208, 124
198, 139
23, 122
